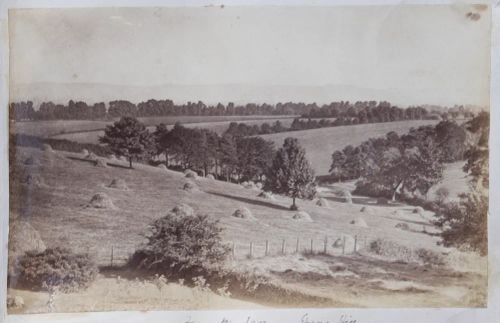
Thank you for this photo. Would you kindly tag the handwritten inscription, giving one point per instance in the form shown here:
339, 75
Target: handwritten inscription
306, 318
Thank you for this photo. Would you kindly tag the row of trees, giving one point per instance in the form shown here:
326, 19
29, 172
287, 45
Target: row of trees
228, 157
359, 112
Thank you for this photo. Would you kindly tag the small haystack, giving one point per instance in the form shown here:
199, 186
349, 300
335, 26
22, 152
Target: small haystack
112, 157
15, 302
122, 158
243, 213
259, 185
347, 196
266, 195
249, 185
31, 161
47, 148
418, 210
101, 201
366, 209
91, 156
85, 152
99, 162
322, 202
210, 176
190, 187
118, 184
402, 226
183, 210
302, 216
359, 222
161, 166
190, 173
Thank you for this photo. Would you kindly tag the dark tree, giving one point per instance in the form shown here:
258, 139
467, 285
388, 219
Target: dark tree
290, 173
128, 137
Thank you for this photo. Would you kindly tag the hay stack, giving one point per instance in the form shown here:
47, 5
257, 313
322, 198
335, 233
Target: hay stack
162, 166
347, 196
266, 195
183, 210
118, 184
190, 173
47, 148
99, 162
402, 226
418, 210
249, 185
210, 176
259, 185
190, 187
302, 216
22, 238
31, 161
91, 156
101, 201
359, 222
243, 213
85, 152
366, 209
322, 202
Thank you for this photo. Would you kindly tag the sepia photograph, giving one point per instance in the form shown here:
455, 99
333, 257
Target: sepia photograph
248, 157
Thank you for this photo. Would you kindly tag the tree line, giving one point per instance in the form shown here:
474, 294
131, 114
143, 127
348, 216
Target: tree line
359, 112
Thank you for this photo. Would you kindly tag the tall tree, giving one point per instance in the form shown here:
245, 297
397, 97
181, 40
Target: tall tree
162, 140
128, 137
290, 173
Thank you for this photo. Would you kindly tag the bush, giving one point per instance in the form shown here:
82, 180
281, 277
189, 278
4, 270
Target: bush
442, 194
182, 244
57, 267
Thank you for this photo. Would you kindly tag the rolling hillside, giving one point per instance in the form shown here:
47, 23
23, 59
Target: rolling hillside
321, 143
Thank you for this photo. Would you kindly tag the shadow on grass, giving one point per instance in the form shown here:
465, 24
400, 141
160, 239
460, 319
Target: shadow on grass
362, 201
251, 201
90, 161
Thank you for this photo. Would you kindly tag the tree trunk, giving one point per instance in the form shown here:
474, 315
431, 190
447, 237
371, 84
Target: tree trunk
294, 206
166, 157
130, 161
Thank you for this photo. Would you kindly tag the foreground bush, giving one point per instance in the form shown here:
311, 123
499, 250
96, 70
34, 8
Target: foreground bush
187, 244
57, 268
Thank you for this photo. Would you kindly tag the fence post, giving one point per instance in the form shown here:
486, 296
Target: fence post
343, 246
251, 249
112, 251
355, 243
297, 246
326, 242
283, 247
267, 247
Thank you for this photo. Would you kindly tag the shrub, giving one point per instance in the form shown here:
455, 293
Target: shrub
442, 194
182, 244
57, 267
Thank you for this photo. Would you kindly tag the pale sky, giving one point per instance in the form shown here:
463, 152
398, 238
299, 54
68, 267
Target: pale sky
403, 54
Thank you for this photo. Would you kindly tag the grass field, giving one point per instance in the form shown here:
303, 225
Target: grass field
321, 143
57, 208
89, 130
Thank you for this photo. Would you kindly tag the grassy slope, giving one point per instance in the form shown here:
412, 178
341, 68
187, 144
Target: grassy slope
321, 143
57, 210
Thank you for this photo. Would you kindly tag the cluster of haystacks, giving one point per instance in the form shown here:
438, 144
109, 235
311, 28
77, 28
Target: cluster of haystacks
190, 173
243, 213
322, 202
302, 216
183, 210
359, 222
266, 195
190, 187
118, 184
101, 201
22, 238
